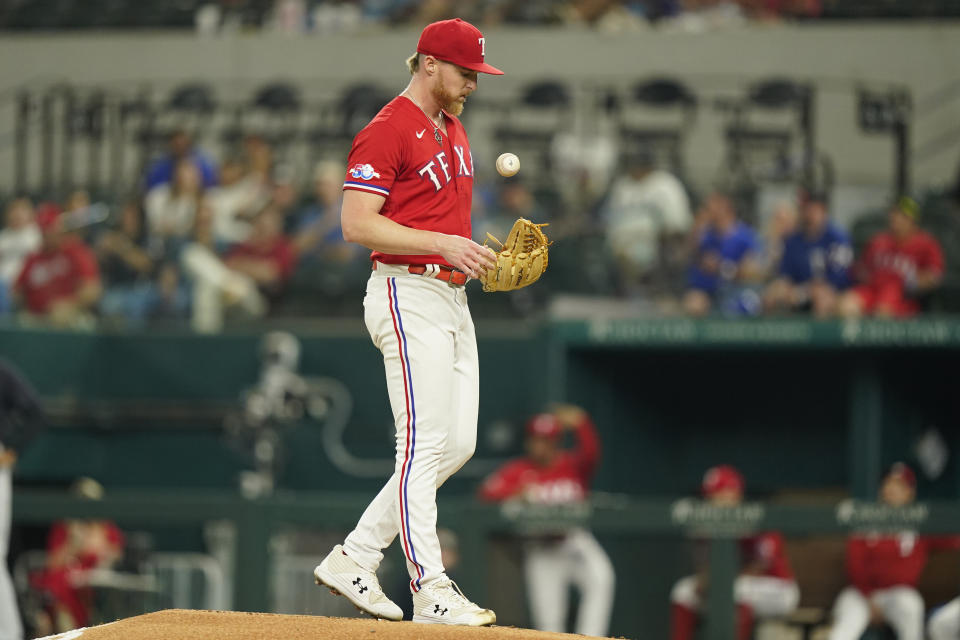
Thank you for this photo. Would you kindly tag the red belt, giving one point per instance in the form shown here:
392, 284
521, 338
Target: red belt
447, 274
451, 276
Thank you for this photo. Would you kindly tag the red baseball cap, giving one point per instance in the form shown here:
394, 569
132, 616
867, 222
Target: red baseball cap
48, 213
720, 478
904, 473
457, 42
545, 425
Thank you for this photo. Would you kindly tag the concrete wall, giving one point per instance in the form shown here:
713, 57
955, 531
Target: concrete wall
921, 56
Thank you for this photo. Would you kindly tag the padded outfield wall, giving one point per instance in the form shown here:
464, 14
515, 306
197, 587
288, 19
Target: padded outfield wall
799, 405
810, 411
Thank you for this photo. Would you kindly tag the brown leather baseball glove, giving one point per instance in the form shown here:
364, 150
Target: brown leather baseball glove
522, 259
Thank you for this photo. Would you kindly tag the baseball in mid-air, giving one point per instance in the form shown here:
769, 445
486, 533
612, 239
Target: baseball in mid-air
508, 164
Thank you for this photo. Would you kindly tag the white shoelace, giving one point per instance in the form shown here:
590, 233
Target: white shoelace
457, 596
375, 588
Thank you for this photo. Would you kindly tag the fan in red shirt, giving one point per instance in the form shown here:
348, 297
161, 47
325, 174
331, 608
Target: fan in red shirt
550, 474
61, 281
884, 569
897, 267
765, 587
268, 256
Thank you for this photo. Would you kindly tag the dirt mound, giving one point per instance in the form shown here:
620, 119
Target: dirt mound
181, 624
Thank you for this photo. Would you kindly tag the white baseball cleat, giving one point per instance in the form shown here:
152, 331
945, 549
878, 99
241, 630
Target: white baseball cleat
442, 602
346, 578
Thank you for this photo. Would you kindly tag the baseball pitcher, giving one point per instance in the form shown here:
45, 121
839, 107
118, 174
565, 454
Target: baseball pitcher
407, 196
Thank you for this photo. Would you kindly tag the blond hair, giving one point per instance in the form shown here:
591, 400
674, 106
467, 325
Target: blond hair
413, 63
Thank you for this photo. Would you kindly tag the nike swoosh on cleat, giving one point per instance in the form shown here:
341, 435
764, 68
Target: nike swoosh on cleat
420, 134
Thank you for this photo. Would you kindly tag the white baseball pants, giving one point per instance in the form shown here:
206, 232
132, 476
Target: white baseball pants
902, 607
424, 330
945, 623
10, 628
550, 568
767, 596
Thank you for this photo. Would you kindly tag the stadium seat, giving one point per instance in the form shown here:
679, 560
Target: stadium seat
273, 112
341, 119
530, 122
766, 129
655, 121
193, 97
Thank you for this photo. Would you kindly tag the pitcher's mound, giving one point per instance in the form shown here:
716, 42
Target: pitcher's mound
182, 624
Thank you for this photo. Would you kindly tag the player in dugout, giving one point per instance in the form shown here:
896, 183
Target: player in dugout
884, 569
766, 586
551, 474
945, 622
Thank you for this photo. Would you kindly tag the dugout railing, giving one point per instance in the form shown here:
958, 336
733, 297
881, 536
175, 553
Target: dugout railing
257, 520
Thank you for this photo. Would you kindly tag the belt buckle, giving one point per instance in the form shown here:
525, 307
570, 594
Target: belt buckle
452, 284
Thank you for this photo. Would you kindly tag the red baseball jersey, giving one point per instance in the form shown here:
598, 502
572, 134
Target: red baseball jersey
48, 276
428, 184
764, 554
882, 561
566, 480
890, 262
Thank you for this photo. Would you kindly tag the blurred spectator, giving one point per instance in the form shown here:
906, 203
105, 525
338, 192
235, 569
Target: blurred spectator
234, 202
127, 267
815, 265
268, 257
171, 208
704, 15
781, 224
288, 17
60, 283
20, 421
216, 288
773, 10
285, 196
345, 17
19, 237
884, 569
259, 158
605, 15
171, 298
514, 199
318, 233
180, 147
898, 267
765, 587
75, 550
78, 200
551, 475
725, 261
945, 622
647, 215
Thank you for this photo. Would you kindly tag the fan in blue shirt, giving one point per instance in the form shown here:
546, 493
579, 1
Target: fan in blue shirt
815, 264
724, 262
